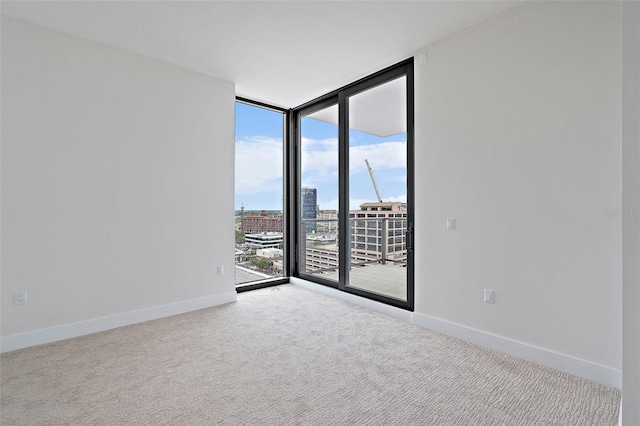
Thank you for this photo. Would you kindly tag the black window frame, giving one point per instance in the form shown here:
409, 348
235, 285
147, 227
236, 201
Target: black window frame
339, 97
286, 194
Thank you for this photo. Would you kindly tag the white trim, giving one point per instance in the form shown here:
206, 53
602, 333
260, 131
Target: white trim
620, 413
392, 311
568, 364
68, 331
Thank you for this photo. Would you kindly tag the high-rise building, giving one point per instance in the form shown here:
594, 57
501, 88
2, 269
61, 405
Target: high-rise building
309, 207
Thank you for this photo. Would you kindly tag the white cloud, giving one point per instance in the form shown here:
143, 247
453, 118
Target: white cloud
329, 205
258, 165
354, 204
386, 155
320, 159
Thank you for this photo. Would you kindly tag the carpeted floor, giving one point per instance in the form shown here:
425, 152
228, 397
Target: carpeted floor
283, 356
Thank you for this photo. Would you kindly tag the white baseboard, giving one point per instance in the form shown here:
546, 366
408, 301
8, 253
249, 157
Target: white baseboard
575, 366
392, 311
620, 413
68, 331
568, 364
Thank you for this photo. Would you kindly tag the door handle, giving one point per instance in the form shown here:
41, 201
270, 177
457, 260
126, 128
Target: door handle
410, 237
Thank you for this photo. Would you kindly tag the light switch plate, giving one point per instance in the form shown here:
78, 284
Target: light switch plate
451, 223
489, 296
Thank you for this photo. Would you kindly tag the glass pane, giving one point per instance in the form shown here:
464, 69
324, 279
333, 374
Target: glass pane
259, 193
378, 189
319, 194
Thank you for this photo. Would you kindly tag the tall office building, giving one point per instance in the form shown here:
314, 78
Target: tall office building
309, 207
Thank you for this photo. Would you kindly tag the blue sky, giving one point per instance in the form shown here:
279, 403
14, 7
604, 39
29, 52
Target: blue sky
258, 184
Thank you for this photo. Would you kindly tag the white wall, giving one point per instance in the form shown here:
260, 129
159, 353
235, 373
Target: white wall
518, 138
631, 219
116, 199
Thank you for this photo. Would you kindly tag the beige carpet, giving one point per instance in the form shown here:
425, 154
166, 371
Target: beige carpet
283, 356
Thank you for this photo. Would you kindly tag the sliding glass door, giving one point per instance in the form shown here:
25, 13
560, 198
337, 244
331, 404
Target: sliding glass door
318, 193
377, 151
355, 188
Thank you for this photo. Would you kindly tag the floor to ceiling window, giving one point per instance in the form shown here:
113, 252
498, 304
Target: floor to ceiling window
260, 215
342, 166
354, 188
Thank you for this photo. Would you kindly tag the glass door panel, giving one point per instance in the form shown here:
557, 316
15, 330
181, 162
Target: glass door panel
377, 142
318, 201
354, 188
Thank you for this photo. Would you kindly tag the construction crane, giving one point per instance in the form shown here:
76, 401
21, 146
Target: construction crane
373, 180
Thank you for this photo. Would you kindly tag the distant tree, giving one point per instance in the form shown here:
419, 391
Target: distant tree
239, 237
261, 263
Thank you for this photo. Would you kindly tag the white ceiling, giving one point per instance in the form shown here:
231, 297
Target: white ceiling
280, 52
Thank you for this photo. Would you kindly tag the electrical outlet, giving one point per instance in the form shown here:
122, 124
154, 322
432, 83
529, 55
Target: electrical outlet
489, 296
20, 297
220, 270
